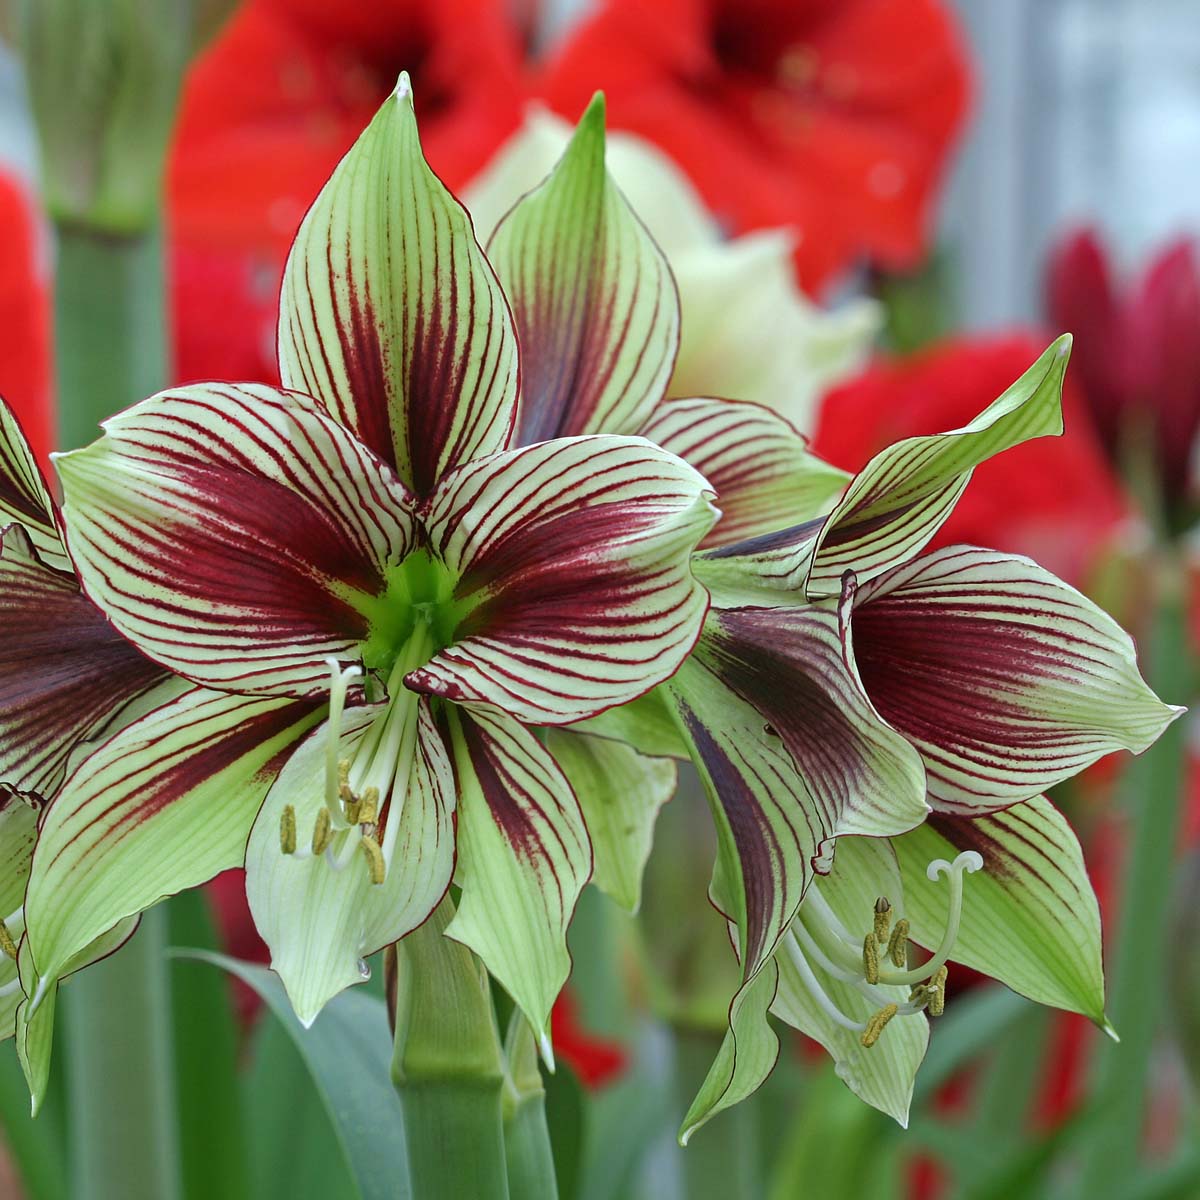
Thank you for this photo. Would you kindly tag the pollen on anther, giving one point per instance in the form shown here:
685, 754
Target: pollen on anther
883, 918
937, 992
898, 944
322, 831
876, 1024
374, 856
7, 945
870, 958
287, 830
368, 807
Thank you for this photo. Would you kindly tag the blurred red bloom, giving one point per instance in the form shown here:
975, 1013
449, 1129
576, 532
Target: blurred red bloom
831, 116
25, 363
268, 111
596, 1060
1137, 355
1052, 499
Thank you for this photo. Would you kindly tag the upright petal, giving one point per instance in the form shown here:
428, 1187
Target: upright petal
163, 805
764, 476
1006, 679
390, 315
523, 858
226, 530
320, 922
572, 561
593, 299
24, 497
65, 672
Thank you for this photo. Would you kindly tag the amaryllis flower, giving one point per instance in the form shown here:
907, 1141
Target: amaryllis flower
1054, 499
376, 596
831, 118
268, 111
1138, 362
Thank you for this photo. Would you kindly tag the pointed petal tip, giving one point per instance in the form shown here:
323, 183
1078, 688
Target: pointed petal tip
403, 89
1063, 344
547, 1050
1107, 1028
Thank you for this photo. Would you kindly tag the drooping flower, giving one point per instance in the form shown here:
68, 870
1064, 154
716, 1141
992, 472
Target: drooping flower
1138, 362
375, 598
267, 113
832, 119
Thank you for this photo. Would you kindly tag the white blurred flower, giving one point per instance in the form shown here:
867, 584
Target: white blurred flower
748, 332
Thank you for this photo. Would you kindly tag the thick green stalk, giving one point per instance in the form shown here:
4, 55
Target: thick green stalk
448, 1067
530, 1159
111, 351
1153, 787
723, 1160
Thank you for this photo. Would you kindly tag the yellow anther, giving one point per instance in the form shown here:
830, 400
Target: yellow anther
6, 942
287, 830
352, 809
870, 959
374, 856
898, 944
876, 1023
937, 990
368, 807
322, 831
883, 919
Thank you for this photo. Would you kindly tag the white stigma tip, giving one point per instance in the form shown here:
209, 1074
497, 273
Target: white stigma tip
969, 861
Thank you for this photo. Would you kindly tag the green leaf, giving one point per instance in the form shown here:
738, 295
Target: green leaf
620, 792
347, 1052
1030, 918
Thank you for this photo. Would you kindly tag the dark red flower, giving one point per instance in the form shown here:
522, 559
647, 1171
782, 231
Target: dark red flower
832, 116
1137, 355
25, 318
1052, 498
268, 111
596, 1060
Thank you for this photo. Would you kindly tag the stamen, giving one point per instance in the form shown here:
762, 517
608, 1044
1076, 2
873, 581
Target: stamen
287, 830
368, 807
937, 992
7, 945
322, 832
815, 989
870, 958
883, 918
898, 944
339, 685
374, 857
876, 1024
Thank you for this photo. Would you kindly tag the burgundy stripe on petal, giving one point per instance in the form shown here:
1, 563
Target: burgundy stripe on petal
572, 562
24, 497
1005, 678
65, 672
226, 529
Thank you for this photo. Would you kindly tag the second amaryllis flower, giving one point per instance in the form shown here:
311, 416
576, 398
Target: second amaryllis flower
324, 562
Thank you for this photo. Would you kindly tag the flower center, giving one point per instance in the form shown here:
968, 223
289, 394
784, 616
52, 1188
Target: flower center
817, 936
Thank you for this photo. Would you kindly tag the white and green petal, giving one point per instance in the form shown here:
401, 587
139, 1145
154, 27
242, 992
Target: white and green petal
523, 858
232, 532
1006, 679
323, 906
24, 497
65, 672
390, 315
620, 792
594, 302
18, 835
163, 805
572, 578
763, 472
1030, 918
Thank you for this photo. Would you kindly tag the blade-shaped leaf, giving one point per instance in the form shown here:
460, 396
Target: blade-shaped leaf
593, 299
390, 315
1030, 917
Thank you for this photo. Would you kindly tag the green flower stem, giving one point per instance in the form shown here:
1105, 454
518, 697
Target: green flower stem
722, 1161
531, 1174
448, 1067
1153, 787
111, 351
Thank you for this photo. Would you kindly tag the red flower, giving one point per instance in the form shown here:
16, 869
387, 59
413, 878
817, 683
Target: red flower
268, 111
1052, 498
25, 319
594, 1059
832, 116
1137, 356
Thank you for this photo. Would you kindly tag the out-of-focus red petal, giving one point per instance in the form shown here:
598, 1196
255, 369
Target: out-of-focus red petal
1053, 499
596, 1060
25, 318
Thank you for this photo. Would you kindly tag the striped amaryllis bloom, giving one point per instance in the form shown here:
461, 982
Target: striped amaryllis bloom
375, 598
842, 685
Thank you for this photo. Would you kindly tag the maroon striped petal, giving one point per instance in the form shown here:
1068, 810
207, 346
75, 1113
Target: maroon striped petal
763, 473
1005, 678
523, 858
65, 672
595, 305
163, 805
24, 497
227, 530
390, 314
571, 561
